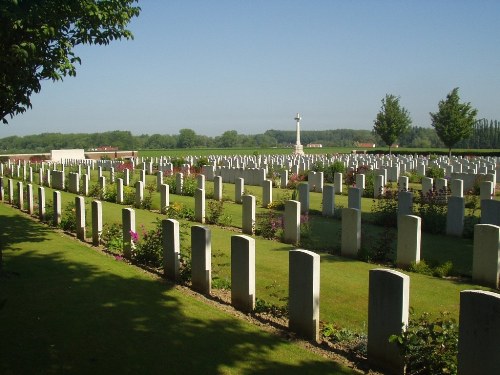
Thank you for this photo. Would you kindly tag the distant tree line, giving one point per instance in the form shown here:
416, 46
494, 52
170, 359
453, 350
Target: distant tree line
486, 134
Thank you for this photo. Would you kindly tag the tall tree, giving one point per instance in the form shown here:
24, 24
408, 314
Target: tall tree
186, 139
37, 39
392, 120
453, 121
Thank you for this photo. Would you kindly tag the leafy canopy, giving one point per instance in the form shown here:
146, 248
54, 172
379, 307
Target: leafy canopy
392, 120
37, 38
453, 121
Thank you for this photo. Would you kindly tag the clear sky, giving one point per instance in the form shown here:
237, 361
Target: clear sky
249, 66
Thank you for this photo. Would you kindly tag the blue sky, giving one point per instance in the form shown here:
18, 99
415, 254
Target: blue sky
249, 66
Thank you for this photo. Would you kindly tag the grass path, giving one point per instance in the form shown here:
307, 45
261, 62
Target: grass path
66, 308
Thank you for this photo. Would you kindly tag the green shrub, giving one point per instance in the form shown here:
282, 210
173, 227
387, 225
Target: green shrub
149, 248
385, 209
434, 172
269, 225
432, 208
189, 186
429, 346
112, 237
68, 218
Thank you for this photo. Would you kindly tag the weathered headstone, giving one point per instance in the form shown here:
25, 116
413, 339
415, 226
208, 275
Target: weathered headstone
354, 198
388, 307
455, 216
248, 214
243, 273
29, 196
20, 195
199, 205
164, 198
303, 188
239, 185
80, 218
351, 232
328, 202
267, 193
457, 188
179, 183
128, 225
486, 255
41, 203
409, 237
171, 248
96, 222
479, 330
490, 212
337, 182
218, 188
57, 204
291, 222
405, 203
139, 193
201, 264
304, 286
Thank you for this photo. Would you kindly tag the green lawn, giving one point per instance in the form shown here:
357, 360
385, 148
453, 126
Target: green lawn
67, 308
344, 282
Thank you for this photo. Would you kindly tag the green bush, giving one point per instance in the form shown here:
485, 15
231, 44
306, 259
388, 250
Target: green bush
68, 218
434, 172
429, 346
112, 237
149, 248
385, 209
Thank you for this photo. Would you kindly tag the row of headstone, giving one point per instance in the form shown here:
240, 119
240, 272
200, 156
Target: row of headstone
388, 290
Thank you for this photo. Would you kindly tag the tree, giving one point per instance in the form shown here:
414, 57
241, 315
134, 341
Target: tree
37, 39
187, 138
453, 121
228, 139
392, 120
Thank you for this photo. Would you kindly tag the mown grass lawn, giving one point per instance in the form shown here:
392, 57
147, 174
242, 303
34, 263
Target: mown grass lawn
344, 282
67, 308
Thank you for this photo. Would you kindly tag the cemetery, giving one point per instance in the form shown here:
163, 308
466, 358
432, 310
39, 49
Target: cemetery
334, 245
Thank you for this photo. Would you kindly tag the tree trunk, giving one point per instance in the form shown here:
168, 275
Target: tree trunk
449, 153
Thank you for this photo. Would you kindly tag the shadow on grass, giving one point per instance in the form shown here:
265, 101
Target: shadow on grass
15, 229
82, 317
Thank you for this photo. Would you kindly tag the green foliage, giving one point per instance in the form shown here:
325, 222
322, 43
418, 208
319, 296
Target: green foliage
179, 211
432, 208
353, 341
112, 237
68, 218
429, 346
279, 202
330, 170
215, 214
37, 41
269, 225
422, 267
434, 172
392, 120
95, 191
453, 121
149, 248
380, 248
189, 185
128, 195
